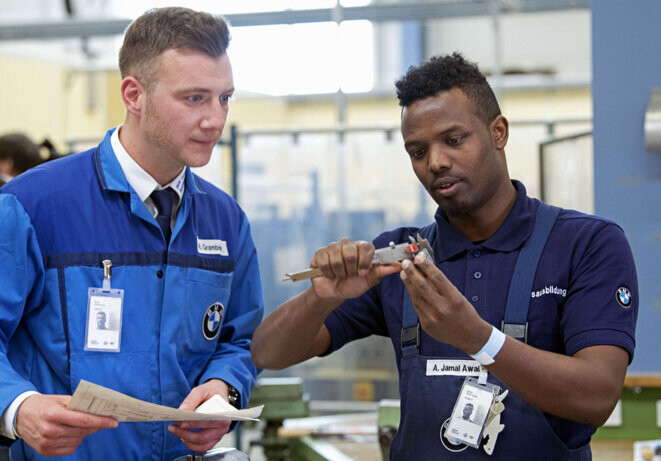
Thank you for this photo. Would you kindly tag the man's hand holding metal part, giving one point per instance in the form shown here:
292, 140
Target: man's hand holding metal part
391, 254
445, 314
340, 271
348, 270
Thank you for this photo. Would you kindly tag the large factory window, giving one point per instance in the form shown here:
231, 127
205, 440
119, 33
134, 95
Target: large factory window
303, 58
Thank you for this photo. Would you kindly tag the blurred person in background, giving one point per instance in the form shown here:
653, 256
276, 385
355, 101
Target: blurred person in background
18, 153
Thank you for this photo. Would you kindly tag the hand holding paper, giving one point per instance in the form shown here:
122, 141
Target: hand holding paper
99, 400
207, 398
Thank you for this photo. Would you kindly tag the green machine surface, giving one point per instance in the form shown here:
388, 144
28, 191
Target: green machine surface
282, 398
387, 422
639, 420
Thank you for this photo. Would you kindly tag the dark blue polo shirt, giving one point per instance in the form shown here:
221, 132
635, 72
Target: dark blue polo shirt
579, 296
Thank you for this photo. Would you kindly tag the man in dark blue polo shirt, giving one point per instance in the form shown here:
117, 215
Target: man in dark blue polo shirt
529, 310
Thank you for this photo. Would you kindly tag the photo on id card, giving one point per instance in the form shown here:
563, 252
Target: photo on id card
470, 413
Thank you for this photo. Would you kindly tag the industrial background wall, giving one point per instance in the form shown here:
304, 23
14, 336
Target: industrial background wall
626, 37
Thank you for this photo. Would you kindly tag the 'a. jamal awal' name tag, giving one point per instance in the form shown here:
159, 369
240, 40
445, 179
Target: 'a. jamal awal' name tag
453, 368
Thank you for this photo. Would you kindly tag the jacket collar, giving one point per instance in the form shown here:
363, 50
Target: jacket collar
112, 176
511, 234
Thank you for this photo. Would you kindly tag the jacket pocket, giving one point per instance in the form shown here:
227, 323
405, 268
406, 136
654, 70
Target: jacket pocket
207, 296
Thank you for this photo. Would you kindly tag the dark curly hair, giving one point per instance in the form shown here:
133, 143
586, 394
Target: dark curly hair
443, 73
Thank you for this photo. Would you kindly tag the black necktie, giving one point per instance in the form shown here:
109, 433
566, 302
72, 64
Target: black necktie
164, 199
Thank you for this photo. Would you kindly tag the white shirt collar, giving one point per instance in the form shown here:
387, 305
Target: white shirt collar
137, 177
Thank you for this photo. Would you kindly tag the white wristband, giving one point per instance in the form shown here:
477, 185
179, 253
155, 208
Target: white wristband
485, 355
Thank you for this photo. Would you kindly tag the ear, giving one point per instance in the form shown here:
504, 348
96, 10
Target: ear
499, 129
133, 95
7, 166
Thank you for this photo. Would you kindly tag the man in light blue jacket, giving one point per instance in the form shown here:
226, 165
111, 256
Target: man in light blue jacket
181, 294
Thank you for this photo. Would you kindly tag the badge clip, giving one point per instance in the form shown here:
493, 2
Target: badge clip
107, 273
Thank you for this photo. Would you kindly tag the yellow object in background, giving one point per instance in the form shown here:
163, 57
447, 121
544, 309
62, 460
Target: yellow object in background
363, 391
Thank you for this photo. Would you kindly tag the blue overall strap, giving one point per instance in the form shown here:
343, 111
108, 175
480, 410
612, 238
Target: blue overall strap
410, 338
518, 297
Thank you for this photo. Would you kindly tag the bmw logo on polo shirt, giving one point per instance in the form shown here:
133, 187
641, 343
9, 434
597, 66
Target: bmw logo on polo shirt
623, 297
212, 320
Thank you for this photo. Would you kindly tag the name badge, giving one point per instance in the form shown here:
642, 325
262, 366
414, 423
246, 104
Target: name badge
212, 247
103, 331
470, 412
453, 368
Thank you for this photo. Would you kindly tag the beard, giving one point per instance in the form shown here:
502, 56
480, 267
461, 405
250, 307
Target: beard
455, 209
465, 204
158, 131
454, 206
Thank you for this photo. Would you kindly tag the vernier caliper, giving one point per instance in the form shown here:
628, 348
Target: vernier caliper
390, 254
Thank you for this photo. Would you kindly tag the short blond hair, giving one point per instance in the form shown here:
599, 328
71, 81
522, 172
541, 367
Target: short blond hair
161, 29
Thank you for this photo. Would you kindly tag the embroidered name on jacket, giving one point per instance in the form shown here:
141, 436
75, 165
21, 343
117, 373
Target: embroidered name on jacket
549, 290
212, 247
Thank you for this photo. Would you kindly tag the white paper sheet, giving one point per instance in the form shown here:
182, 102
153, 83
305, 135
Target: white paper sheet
99, 400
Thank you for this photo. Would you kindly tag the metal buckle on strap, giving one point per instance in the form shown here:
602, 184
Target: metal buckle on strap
411, 336
516, 330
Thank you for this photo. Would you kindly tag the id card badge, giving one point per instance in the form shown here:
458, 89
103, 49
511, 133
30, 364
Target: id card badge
470, 412
103, 330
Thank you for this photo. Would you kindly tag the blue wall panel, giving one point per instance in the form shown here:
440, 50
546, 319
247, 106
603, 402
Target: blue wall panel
626, 52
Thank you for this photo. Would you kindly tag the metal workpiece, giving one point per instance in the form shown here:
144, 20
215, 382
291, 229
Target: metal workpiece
386, 255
